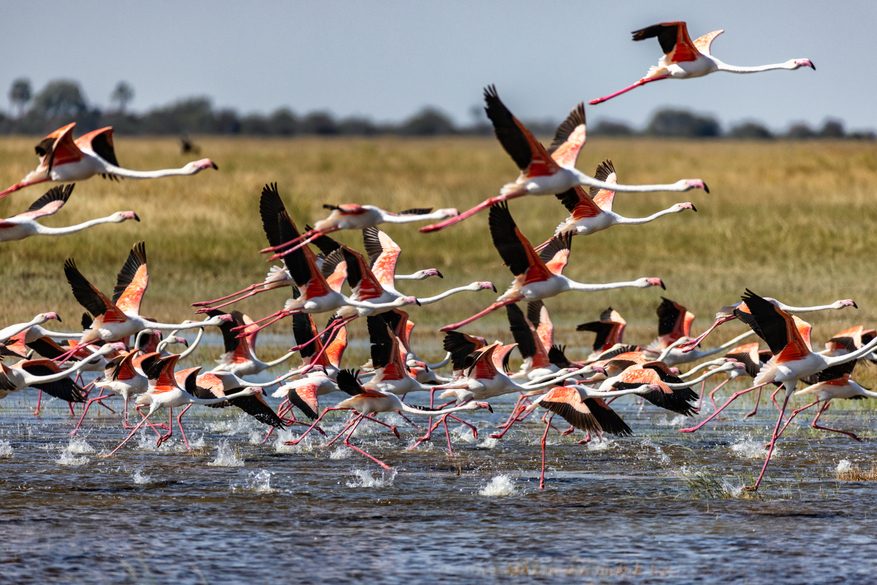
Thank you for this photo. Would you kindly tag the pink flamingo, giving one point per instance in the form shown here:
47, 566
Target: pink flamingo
684, 59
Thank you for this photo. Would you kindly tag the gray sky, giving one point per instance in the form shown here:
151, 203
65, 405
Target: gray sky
387, 60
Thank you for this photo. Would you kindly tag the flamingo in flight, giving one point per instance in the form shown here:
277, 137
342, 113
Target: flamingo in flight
63, 160
591, 211
536, 276
25, 224
793, 360
11, 331
609, 330
684, 58
120, 317
351, 216
547, 172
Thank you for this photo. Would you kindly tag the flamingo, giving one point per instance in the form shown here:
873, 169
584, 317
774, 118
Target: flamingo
165, 392
119, 318
240, 354
827, 391
25, 225
367, 401
726, 314
792, 358
547, 172
536, 276
591, 212
684, 59
223, 385
356, 217
64, 160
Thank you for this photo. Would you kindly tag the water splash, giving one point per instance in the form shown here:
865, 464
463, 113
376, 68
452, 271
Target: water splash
463, 434
488, 443
341, 452
843, 466
365, 479
662, 457
748, 448
68, 458
501, 485
676, 421
5, 449
226, 457
141, 478
598, 444
259, 482
283, 436
79, 446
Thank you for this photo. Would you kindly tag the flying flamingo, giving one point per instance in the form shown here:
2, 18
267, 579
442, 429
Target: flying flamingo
367, 401
609, 330
536, 276
683, 58
792, 358
726, 314
13, 330
827, 391
119, 318
25, 225
240, 353
547, 172
591, 212
64, 160
355, 217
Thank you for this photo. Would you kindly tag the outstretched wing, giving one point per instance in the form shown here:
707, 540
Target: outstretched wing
132, 281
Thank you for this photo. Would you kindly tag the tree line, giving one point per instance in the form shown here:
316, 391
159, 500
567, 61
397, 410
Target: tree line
62, 101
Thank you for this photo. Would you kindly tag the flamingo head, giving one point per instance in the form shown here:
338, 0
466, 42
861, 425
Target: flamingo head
430, 272
199, 165
647, 282
684, 206
409, 301
796, 63
125, 216
693, 184
839, 304
50, 316
179, 340
484, 405
448, 212
486, 286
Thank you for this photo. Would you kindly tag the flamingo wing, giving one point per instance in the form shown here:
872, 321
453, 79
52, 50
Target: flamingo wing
257, 408
514, 249
270, 208
58, 148
461, 346
769, 322
703, 43
555, 255
604, 198
747, 354
566, 402
674, 40
101, 143
522, 331
383, 254
520, 144
569, 138
670, 318
538, 316
305, 399
94, 301
65, 388
361, 279
132, 280
48, 204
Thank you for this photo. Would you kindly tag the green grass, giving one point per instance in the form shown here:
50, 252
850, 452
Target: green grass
792, 220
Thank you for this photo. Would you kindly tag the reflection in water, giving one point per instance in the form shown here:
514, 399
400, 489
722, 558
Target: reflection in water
657, 507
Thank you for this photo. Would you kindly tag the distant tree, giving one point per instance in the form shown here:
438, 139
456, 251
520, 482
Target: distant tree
122, 95
684, 124
227, 122
191, 115
751, 131
832, 129
862, 135
284, 123
60, 98
319, 123
356, 126
20, 94
611, 128
428, 122
255, 125
800, 131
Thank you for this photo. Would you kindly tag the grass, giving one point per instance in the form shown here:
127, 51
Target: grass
791, 220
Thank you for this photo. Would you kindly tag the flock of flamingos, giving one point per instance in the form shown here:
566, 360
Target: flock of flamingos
132, 354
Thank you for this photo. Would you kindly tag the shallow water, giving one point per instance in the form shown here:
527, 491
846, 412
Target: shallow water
657, 507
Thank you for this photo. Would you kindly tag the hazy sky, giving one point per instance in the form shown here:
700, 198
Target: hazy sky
387, 60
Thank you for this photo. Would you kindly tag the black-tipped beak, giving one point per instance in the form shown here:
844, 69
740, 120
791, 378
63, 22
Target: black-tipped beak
490, 408
493, 287
812, 66
693, 208
705, 188
215, 166
136, 217
59, 317
418, 303
662, 285
854, 306
439, 274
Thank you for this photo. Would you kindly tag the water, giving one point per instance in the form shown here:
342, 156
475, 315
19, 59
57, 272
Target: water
656, 507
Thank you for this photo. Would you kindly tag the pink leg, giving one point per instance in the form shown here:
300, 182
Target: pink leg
490, 309
85, 411
408, 420
795, 413
460, 217
355, 448
757, 401
335, 326
773, 397
773, 443
517, 419
145, 418
690, 345
308, 238
713, 393
716, 413
544, 436
310, 428
444, 420
180, 425
642, 81
816, 426
513, 417
571, 430
39, 401
170, 428
250, 288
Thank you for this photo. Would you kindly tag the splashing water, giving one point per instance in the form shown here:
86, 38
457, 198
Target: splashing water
662, 457
366, 479
226, 457
501, 485
676, 421
259, 482
341, 452
488, 443
79, 446
843, 466
141, 478
5, 449
463, 434
597, 444
748, 448
68, 458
